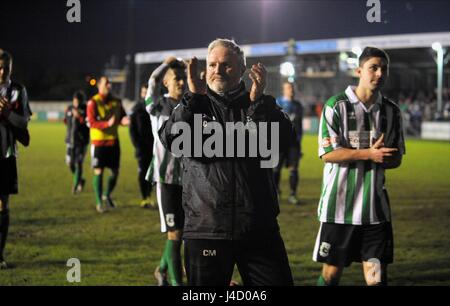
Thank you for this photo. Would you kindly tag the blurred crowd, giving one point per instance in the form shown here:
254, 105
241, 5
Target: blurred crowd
417, 107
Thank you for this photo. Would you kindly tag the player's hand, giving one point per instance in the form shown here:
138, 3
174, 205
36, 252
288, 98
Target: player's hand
4, 105
258, 75
75, 113
125, 121
378, 153
379, 143
195, 83
112, 121
170, 60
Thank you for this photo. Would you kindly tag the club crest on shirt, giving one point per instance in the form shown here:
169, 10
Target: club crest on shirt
324, 249
351, 116
326, 142
206, 119
170, 220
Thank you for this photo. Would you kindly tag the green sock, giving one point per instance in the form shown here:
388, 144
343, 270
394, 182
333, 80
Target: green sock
112, 180
163, 261
173, 258
97, 182
321, 281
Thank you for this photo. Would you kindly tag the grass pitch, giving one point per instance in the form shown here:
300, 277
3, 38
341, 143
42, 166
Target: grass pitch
122, 247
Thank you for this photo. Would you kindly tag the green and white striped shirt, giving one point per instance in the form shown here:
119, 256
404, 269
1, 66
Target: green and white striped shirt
352, 192
165, 167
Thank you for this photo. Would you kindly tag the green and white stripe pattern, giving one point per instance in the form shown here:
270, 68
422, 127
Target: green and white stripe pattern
353, 192
165, 167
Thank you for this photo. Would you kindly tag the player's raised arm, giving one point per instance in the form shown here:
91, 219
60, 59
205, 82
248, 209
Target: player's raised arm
155, 82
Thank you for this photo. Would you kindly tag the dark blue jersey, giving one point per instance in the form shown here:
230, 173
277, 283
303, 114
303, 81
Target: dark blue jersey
294, 109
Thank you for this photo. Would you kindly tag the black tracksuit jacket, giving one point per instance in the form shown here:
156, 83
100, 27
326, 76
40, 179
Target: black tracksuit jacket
228, 198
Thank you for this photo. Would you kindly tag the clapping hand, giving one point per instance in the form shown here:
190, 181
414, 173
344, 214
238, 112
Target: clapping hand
195, 83
258, 75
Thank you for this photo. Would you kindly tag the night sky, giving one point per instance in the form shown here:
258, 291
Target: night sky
46, 46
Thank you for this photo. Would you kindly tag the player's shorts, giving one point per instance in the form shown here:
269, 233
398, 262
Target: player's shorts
8, 176
75, 155
105, 156
342, 244
169, 197
262, 261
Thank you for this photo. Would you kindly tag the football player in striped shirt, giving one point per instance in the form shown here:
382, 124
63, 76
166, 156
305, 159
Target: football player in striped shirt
165, 168
360, 136
15, 113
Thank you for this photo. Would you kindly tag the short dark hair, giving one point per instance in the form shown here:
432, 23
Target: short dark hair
80, 96
5, 56
370, 52
177, 65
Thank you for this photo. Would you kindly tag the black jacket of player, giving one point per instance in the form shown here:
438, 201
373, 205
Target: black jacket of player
228, 198
141, 130
77, 133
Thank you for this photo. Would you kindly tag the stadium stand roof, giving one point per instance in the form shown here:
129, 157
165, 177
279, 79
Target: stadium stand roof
398, 41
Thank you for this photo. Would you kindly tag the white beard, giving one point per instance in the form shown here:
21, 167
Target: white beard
221, 89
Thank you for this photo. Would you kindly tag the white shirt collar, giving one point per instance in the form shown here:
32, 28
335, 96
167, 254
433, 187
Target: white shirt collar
350, 93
